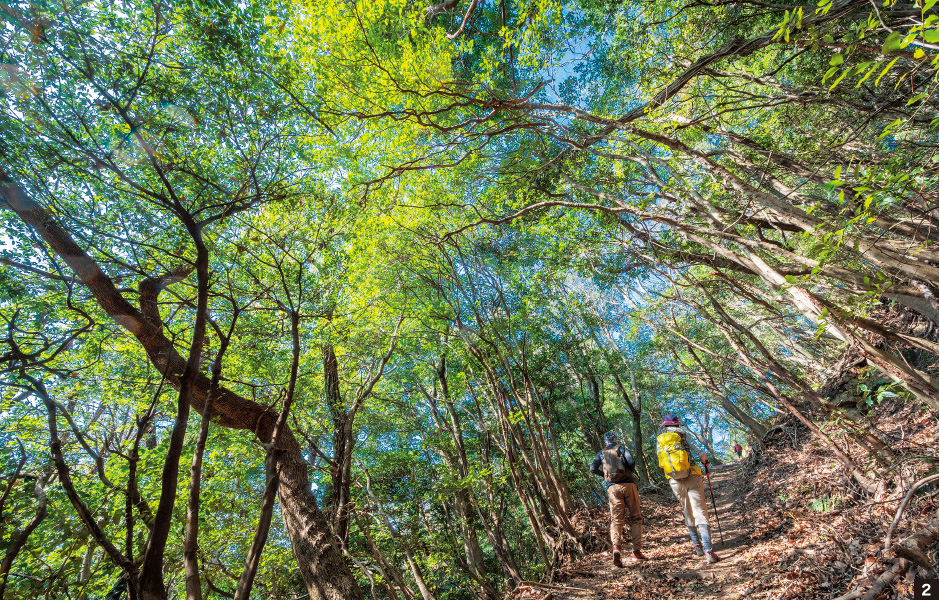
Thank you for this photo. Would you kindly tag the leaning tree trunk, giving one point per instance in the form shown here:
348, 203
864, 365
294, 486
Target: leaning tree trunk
710, 385
635, 412
463, 500
784, 374
340, 473
18, 540
343, 443
326, 574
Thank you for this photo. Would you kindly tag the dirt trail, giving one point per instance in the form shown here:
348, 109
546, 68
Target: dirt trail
794, 528
672, 571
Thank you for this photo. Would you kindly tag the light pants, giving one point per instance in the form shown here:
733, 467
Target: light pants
701, 537
690, 493
625, 497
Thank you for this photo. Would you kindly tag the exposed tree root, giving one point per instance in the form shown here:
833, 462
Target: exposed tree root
897, 570
914, 547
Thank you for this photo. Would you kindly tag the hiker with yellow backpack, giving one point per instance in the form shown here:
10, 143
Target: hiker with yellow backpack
687, 484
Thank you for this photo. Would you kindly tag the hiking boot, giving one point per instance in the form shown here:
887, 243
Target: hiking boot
699, 550
710, 557
638, 555
617, 560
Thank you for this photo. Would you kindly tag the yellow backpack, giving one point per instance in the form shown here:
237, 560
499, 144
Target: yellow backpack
673, 458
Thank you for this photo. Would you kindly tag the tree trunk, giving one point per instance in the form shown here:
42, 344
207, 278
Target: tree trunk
324, 570
463, 500
708, 383
749, 422
595, 411
426, 594
777, 369
343, 445
389, 573
635, 412
19, 540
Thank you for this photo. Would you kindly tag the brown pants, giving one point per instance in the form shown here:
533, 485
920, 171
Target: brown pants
623, 497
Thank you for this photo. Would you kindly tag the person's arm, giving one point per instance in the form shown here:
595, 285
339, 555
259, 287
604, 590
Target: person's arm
693, 449
627, 458
630, 462
596, 467
702, 456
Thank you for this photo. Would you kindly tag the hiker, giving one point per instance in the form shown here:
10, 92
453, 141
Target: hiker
687, 483
616, 466
738, 449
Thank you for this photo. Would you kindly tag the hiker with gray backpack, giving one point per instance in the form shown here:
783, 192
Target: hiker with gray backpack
686, 482
616, 466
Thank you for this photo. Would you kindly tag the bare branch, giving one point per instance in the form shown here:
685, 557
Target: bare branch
464, 22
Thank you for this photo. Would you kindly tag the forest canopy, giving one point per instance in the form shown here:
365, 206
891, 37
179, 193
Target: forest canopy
338, 298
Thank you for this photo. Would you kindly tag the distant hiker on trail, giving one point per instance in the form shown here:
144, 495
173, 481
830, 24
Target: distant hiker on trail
687, 484
616, 465
738, 449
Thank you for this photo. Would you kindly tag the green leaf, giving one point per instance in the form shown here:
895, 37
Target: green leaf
837, 81
791, 279
837, 59
931, 36
889, 129
860, 67
893, 42
868, 74
884, 72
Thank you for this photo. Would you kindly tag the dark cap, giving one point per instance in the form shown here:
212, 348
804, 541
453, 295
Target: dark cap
670, 421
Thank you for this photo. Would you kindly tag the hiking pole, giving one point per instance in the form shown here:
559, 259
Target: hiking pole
713, 503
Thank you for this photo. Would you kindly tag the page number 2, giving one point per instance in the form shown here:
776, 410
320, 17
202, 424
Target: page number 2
925, 589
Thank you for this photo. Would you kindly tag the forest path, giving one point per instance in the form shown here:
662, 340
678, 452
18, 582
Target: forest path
672, 571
